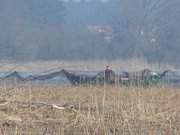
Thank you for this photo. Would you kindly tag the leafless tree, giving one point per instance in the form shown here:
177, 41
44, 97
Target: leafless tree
143, 21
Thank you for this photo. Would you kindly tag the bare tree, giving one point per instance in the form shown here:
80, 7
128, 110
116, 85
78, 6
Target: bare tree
23, 24
143, 21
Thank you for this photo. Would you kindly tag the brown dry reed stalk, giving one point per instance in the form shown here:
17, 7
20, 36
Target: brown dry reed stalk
100, 110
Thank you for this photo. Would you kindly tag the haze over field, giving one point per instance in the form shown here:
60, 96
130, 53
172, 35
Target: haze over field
85, 67
89, 29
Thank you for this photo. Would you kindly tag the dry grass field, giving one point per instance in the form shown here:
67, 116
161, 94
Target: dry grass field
108, 110
133, 64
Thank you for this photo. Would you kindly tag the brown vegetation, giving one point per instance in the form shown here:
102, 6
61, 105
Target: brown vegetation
89, 110
133, 64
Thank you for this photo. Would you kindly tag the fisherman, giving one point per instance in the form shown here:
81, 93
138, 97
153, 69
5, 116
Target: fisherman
108, 75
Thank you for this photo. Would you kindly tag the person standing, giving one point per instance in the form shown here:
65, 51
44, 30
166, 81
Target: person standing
108, 75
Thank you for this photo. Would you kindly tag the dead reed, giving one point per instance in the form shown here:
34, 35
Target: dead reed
90, 111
